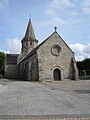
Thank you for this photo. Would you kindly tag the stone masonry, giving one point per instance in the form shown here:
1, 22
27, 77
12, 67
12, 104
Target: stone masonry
50, 60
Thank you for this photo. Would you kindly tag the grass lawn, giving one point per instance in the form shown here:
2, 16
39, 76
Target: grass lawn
84, 77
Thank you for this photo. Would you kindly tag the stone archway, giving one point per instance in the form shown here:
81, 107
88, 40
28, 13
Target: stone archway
57, 74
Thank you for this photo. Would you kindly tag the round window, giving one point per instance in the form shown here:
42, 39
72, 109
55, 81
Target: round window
55, 49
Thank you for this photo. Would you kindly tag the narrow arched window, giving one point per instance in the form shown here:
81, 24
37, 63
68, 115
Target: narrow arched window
30, 43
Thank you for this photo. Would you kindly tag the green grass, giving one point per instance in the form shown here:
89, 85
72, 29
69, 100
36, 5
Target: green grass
84, 77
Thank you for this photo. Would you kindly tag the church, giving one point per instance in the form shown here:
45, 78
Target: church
52, 60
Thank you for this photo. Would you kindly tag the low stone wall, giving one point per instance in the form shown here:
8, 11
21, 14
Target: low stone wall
11, 71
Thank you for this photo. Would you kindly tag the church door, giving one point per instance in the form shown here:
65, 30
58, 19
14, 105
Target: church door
57, 74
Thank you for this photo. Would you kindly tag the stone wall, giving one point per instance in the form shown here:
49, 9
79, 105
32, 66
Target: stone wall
28, 68
11, 71
47, 61
11, 66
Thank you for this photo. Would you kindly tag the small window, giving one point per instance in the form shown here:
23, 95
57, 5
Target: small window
30, 43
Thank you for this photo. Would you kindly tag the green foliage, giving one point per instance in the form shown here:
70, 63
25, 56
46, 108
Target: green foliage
84, 77
2, 62
84, 67
88, 72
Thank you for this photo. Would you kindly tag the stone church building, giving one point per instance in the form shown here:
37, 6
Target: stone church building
50, 60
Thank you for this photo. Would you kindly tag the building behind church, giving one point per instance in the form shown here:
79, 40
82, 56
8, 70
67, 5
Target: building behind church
50, 60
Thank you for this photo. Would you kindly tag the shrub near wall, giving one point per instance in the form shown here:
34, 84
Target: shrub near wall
2, 63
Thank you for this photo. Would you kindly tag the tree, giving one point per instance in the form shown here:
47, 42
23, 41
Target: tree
84, 66
2, 62
86, 63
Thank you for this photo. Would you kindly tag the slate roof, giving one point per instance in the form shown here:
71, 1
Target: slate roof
30, 32
11, 59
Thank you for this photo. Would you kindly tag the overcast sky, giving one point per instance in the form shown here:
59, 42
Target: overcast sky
72, 18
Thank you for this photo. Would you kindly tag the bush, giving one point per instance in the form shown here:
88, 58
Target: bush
88, 72
2, 63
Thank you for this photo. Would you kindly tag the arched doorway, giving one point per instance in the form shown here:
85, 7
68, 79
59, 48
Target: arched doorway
57, 74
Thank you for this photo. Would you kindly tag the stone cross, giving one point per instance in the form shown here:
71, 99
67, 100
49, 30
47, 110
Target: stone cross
55, 29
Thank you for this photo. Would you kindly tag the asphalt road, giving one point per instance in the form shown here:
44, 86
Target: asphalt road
22, 99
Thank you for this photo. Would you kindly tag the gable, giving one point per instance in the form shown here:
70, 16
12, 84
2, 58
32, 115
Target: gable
55, 38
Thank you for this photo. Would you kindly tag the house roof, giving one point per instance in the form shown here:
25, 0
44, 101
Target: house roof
11, 59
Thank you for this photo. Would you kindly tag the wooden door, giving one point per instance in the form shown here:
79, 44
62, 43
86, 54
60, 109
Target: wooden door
57, 74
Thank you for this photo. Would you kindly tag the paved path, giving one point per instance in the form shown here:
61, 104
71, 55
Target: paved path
24, 100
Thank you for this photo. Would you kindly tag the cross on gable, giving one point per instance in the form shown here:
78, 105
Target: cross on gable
55, 28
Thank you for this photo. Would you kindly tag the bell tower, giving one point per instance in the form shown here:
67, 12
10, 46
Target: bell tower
29, 41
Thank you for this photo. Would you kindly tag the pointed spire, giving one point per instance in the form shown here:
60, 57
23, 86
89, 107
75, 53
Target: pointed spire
30, 32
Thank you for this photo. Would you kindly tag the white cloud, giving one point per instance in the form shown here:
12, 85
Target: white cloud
55, 5
58, 21
4, 3
81, 51
50, 12
80, 57
4, 51
87, 49
77, 47
86, 10
86, 6
55, 22
86, 2
13, 45
74, 13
